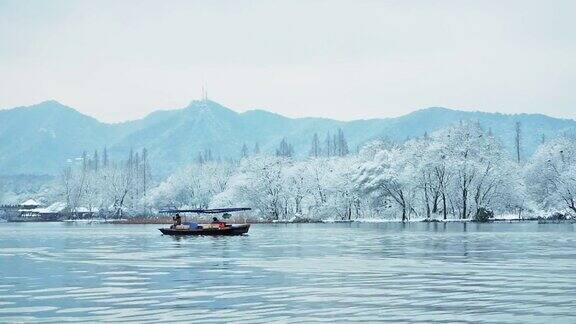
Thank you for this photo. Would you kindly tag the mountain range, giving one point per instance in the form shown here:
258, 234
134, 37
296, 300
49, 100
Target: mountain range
40, 139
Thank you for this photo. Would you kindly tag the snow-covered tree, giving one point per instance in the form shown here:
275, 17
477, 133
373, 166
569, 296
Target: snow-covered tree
457, 170
452, 173
111, 189
192, 187
385, 175
257, 183
341, 144
315, 149
285, 149
551, 175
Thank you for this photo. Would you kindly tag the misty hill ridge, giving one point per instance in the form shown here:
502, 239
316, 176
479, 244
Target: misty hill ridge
39, 139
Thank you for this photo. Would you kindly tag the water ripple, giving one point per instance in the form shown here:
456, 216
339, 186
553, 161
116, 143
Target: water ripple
421, 273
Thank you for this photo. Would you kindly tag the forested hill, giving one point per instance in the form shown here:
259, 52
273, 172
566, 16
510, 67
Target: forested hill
40, 139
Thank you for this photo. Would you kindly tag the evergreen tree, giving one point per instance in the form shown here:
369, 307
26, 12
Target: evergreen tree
84, 160
95, 160
244, 152
145, 170
342, 145
328, 145
315, 150
517, 141
130, 161
285, 149
200, 158
334, 145
208, 155
105, 158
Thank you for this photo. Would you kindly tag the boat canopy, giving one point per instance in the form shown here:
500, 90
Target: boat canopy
205, 211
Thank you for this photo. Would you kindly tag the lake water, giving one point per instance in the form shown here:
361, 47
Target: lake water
484, 273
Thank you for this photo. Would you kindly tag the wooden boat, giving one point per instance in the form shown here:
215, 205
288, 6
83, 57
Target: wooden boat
213, 229
234, 229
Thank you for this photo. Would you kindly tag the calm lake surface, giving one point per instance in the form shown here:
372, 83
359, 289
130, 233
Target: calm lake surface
484, 273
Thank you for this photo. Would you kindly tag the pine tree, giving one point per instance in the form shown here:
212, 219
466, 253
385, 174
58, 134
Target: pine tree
145, 170
328, 145
285, 149
130, 161
208, 155
256, 148
315, 150
95, 160
342, 145
105, 158
200, 158
84, 161
517, 141
334, 145
136, 162
244, 152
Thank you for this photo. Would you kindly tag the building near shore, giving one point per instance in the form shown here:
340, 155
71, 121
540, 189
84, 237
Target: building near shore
14, 211
54, 212
30, 204
34, 211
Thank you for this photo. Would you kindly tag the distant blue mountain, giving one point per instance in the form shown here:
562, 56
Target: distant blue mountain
40, 139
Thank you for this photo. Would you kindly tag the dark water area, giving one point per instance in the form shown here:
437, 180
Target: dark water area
292, 273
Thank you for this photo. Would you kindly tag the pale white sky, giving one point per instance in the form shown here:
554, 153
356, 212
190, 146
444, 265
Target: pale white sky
120, 60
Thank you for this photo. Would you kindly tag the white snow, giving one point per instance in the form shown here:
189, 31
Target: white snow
456, 171
30, 203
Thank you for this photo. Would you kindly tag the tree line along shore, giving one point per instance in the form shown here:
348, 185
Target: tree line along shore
461, 172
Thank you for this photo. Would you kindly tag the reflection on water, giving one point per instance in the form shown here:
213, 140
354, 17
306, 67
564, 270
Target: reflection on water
492, 273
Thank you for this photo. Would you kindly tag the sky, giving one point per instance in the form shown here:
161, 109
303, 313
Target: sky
120, 60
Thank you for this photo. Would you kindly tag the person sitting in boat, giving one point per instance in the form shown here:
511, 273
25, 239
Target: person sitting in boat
220, 224
177, 221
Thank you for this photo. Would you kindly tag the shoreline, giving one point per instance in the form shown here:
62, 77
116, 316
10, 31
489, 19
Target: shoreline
168, 221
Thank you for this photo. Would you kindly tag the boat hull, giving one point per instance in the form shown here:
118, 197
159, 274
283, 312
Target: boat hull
226, 231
